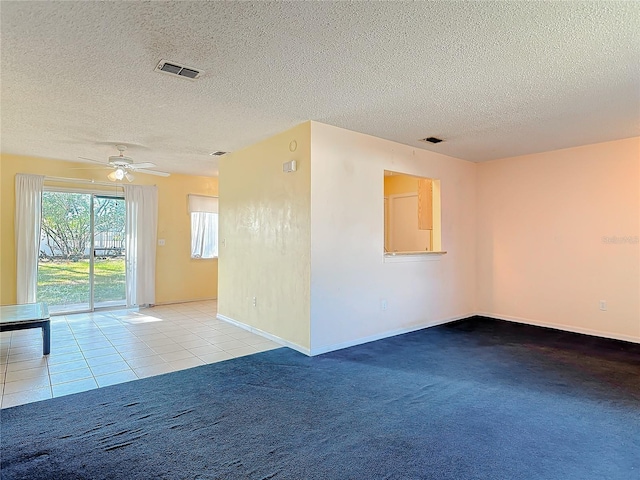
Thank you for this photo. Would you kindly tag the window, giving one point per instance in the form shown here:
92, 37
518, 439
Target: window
204, 226
412, 221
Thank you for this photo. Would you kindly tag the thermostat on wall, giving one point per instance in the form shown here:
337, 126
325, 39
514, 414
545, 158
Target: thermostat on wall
291, 166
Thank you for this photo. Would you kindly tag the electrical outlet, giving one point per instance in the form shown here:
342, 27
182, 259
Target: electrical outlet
161, 242
383, 304
255, 301
603, 305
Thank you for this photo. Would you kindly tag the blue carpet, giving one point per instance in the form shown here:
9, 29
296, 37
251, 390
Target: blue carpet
477, 399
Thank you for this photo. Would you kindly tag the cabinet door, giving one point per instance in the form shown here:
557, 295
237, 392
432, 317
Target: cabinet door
425, 204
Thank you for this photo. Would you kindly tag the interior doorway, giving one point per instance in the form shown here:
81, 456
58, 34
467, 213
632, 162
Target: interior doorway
81, 264
404, 234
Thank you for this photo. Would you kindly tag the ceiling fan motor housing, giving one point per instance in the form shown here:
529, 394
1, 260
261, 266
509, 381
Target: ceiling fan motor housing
120, 161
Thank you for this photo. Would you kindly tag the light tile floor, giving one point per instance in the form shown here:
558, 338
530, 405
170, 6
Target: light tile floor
93, 350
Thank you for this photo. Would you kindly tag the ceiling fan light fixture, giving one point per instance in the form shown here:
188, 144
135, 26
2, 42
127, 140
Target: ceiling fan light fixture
129, 176
117, 175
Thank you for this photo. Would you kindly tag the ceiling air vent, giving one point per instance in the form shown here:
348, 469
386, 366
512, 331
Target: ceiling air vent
431, 140
218, 153
173, 68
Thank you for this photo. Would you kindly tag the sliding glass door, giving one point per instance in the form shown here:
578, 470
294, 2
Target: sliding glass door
81, 265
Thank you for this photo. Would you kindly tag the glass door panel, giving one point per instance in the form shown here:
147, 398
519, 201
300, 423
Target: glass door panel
108, 252
65, 252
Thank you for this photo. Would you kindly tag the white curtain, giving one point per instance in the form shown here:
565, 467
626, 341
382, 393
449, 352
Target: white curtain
204, 226
27, 226
140, 246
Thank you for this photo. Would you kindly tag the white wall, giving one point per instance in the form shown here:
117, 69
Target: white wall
348, 275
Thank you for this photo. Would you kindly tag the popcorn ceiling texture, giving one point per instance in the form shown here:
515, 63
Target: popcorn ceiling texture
494, 79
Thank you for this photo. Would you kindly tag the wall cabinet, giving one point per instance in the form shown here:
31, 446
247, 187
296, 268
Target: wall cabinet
425, 204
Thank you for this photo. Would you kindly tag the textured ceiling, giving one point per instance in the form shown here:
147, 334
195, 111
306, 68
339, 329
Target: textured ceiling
494, 79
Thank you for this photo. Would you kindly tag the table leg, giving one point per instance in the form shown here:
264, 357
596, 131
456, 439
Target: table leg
46, 338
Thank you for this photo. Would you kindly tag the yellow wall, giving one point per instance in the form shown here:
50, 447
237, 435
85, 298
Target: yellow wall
397, 184
265, 237
178, 276
546, 224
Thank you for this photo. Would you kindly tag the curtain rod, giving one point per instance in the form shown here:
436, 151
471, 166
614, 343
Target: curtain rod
83, 181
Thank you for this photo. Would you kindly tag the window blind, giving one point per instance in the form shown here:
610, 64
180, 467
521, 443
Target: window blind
202, 203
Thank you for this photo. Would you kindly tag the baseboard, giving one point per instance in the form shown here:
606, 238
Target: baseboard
262, 333
392, 333
566, 328
173, 302
388, 333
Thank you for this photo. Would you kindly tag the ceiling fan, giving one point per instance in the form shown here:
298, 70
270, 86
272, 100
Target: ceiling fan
123, 166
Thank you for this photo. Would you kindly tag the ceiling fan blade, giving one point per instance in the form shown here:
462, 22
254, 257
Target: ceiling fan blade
136, 166
153, 172
91, 160
91, 168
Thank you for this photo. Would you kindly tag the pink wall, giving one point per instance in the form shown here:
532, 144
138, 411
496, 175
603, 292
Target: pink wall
545, 252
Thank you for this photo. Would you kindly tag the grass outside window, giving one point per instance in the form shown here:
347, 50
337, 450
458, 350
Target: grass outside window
62, 282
